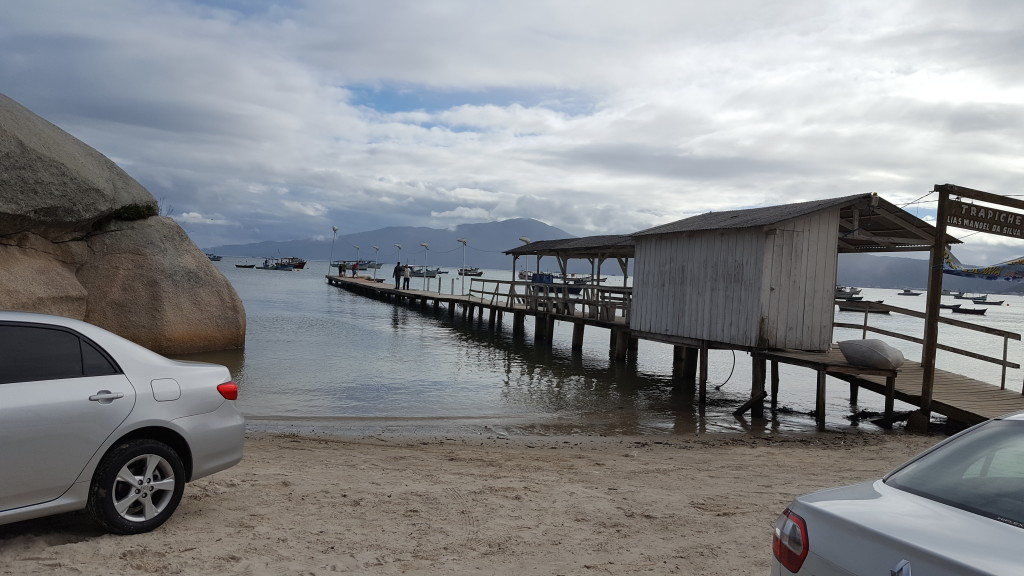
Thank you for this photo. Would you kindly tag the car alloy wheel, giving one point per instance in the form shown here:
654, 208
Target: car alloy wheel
136, 487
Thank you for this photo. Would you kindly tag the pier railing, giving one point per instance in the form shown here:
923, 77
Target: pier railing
588, 301
875, 307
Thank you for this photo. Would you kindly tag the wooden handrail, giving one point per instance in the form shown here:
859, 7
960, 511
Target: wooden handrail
865, 328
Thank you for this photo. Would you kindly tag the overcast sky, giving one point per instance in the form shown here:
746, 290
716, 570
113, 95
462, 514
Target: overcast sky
257, 121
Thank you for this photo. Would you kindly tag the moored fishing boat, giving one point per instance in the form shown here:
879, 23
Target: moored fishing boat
294, 262
423, 271
860, 307
470, 272
962, 310
276, 264
846, 291
360, 264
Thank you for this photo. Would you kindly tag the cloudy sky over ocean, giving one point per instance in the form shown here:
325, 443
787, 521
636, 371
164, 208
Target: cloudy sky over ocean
258, 120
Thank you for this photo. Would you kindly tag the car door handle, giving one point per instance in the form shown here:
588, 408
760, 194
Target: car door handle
105, 396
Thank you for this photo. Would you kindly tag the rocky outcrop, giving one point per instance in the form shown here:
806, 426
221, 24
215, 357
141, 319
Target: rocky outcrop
79, 237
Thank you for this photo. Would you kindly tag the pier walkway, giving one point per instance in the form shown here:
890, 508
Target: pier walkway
960, 398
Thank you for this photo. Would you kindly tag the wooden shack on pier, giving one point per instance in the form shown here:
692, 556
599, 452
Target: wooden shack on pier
761, 278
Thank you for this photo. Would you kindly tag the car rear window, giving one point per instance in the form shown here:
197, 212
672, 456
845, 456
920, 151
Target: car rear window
32, 352
981, 471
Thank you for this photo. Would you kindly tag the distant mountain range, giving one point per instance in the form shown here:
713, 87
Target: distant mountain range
872, 271
487, 241
484, 245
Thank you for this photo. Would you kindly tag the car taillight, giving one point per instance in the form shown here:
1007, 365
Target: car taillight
229, 390
789, 543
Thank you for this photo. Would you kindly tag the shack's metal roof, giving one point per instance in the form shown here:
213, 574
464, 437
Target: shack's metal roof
586, 247
867, 223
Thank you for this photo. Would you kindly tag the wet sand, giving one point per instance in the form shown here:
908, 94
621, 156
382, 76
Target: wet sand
485, 504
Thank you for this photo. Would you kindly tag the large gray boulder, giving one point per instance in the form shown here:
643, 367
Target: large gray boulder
79, 237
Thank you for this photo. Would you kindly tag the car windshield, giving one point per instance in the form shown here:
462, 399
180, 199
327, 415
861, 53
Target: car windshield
982, 472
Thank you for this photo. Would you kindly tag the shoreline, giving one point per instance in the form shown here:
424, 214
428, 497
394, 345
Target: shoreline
391, 503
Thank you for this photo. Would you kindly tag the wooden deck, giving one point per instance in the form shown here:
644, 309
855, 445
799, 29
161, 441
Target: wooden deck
960, 398
596, 306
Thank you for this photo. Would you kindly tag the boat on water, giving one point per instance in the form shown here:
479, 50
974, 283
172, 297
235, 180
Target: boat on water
277, 264
861, 309
245, 265
946, 292
423, 271
846, 291
213, 257
990, 302
360, 264
962, 310
294, 262
470, 272
966, 296
909, 292
950, 306
851, 298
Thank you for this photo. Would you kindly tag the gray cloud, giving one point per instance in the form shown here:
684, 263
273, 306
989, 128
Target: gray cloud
277, 120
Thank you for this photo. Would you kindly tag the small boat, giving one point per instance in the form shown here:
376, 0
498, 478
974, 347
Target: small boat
851, 298
295, 263
965, 296
360, 264
245, 265
276, 264
946, 292
989, 302
423, 271
950, 306
909, 292
962, 310
213, 257
470, 272
845, 291
870, 310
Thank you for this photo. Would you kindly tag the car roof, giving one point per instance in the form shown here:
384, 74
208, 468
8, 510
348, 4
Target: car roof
129, 351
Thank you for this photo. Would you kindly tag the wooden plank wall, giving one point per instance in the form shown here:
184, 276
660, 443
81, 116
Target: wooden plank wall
751, 287
702, 286
799, 278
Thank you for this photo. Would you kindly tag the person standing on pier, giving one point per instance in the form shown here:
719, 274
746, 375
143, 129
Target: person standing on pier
397, 274
406, 274
341, 269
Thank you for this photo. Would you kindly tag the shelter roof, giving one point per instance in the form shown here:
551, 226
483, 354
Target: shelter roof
867, 223
586, 247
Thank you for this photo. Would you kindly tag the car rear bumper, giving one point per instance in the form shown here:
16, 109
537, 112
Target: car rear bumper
215, 439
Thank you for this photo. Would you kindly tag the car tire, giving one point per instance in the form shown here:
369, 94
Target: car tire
136, 487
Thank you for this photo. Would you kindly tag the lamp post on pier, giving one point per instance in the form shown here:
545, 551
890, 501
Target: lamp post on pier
526, 240
463, 271
426, 270
330, 263
355, 265
398, 281
376, 261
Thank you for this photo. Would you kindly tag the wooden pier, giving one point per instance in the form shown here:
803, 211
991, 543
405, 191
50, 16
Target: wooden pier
959, 398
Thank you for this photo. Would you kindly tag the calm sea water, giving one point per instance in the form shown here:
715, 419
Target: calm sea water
320, 358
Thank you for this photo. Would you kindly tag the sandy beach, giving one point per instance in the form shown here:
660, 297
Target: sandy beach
491, 504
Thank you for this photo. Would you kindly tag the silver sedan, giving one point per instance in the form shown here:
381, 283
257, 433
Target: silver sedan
956, 509
89, 420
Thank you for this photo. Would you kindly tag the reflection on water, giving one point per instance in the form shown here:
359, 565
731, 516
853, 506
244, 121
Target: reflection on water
319, 356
